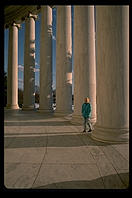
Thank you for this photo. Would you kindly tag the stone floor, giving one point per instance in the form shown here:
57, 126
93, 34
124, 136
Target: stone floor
47, 152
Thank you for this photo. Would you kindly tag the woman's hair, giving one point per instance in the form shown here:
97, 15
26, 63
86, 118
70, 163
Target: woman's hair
87, 99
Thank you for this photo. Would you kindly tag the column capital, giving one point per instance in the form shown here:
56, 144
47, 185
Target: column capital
35, 16
18, 25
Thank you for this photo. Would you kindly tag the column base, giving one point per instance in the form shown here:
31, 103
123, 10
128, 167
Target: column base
12, 107
28, 108
62, 113
93, 120
45, 110
111, 135
79, 119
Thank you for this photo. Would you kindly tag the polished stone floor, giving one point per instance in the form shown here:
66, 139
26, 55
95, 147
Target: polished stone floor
42, 151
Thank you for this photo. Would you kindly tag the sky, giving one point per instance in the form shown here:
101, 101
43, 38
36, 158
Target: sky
37, 50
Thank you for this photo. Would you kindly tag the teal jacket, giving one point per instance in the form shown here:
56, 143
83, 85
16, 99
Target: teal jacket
86, 110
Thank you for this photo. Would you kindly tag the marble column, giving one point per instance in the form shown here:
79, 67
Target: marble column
45, 103
12, 80
63, 61
29, 63
84, 61
112, 74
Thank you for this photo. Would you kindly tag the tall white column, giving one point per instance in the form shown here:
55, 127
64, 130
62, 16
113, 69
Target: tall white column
112, 74
12, 80
46, 60
29, 63
84, 61
63, 61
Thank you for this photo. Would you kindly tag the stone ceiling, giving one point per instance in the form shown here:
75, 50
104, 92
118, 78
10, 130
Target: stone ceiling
18, 13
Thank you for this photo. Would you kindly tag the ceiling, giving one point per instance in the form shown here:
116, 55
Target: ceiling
18, 13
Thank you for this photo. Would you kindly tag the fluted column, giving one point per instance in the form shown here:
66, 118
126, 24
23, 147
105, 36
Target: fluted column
46, 60
112, 74
63, 61
12, 80
29, 63
84, 61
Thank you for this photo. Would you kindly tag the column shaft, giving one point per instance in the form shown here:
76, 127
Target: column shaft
84, 61
12, 80
112, 74
63, 61
46, 59
29, 64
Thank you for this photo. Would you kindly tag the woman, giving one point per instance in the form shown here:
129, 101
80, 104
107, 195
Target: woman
86, 113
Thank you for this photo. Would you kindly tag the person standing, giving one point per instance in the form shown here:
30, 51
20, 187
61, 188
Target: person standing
86, 113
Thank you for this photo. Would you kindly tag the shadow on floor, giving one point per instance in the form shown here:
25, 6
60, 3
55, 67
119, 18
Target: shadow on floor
51, 139
120, 181
44, 123
26, 115
44, 141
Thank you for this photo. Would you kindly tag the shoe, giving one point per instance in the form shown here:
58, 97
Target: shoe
89, 130
84, 131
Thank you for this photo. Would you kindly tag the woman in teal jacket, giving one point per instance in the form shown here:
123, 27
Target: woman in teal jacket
86, 113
